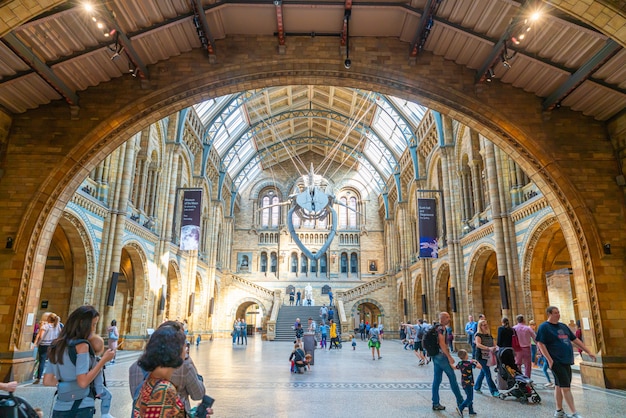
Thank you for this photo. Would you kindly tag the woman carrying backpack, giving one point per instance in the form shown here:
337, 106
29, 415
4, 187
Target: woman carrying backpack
68, 366
374, 341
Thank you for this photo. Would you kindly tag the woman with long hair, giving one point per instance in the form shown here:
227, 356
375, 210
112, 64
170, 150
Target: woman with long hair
49, 331
164, 353
485, 348
69, 362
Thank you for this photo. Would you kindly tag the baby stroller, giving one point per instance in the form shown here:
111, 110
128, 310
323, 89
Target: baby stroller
511, 381
15, 407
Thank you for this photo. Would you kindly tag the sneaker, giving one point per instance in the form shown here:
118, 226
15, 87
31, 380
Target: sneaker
495, 394
439, 407
560, 414
574, 415
379, 357
549, 385
36, 382
478, 391
471, 412
458, 411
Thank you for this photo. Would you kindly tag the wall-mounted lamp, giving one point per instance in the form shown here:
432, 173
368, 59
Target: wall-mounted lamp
347, 63
607, 248
9, 243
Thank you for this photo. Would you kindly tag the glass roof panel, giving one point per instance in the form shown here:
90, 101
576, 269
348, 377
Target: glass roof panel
393, 125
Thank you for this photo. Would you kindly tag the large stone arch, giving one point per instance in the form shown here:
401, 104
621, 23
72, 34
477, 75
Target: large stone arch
143, 301
239, 307
441, 289
478, 258
544, 150
540, 239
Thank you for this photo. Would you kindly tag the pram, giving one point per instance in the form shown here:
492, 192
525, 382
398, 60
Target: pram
15, 407
511, 381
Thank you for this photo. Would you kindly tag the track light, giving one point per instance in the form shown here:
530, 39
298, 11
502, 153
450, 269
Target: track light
490, 75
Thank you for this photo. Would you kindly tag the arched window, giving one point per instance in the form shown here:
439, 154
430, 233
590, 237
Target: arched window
294, 262
263, 262
352, 213
314, 266
354, 263
344, 262
343, 213
270, 215
323, 264
274, 262
304, 263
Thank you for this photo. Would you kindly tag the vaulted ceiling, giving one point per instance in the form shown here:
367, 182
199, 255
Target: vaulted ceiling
68, 49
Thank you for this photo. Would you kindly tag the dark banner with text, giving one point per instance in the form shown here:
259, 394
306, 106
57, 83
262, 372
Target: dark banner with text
190, 223
429, 248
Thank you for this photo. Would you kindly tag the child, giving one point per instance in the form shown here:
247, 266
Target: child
307, 360
297, 359
353, 342
467, 381
97, 344
198, 340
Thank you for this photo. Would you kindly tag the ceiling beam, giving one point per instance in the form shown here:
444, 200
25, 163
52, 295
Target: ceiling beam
30, 58
347, 12
499, 47
424, 27
202, 27
280, 26
140, 67
583, 73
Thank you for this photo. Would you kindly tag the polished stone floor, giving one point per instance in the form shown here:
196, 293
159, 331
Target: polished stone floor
254, 381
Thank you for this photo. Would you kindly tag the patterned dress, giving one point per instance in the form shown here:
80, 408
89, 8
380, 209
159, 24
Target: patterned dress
158, 399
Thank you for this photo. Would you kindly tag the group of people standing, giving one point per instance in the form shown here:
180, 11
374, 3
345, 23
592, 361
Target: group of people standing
161, 381
240, 331
553, 339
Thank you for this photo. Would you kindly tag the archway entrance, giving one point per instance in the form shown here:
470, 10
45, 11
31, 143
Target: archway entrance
551, 278
486, 289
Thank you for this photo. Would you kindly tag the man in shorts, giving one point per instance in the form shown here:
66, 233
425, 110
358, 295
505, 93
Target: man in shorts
555, 339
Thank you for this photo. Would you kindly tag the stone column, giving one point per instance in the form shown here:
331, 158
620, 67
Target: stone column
119, 207
496, 211
452, 204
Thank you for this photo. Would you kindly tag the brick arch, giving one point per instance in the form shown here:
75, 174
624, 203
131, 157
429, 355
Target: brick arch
495, 113
440, 298
243, 303
478, 258
374, 302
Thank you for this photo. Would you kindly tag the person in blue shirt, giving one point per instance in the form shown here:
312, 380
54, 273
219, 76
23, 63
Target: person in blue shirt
470, 330
555, 340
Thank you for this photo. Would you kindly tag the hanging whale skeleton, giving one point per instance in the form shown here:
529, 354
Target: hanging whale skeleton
312, 203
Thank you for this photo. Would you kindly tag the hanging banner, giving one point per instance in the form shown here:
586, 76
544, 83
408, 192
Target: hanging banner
190, 222
427, 217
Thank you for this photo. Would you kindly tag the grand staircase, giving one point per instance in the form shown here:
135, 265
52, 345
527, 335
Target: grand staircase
287, 317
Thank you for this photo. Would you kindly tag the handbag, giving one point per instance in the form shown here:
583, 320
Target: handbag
515, 342
491, 361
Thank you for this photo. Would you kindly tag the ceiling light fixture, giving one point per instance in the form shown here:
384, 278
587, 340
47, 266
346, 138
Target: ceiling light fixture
490, 75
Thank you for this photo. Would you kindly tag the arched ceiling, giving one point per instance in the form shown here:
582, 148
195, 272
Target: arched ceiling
67, 50
257, 130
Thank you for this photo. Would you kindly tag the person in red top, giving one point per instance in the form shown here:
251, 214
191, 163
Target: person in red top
524, 336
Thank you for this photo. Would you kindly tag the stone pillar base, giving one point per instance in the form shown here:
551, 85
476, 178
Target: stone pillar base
604, 374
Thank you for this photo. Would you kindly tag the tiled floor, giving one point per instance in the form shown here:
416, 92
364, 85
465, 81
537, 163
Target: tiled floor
254, 381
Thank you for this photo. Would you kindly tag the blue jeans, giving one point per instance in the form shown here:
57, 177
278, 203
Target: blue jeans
544, 368
533, 353
485, 372
441, 364
469, 398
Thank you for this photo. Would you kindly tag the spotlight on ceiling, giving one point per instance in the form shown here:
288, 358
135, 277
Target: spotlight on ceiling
490, 75
347, 63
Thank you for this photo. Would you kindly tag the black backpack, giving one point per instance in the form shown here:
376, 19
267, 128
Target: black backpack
430, 342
